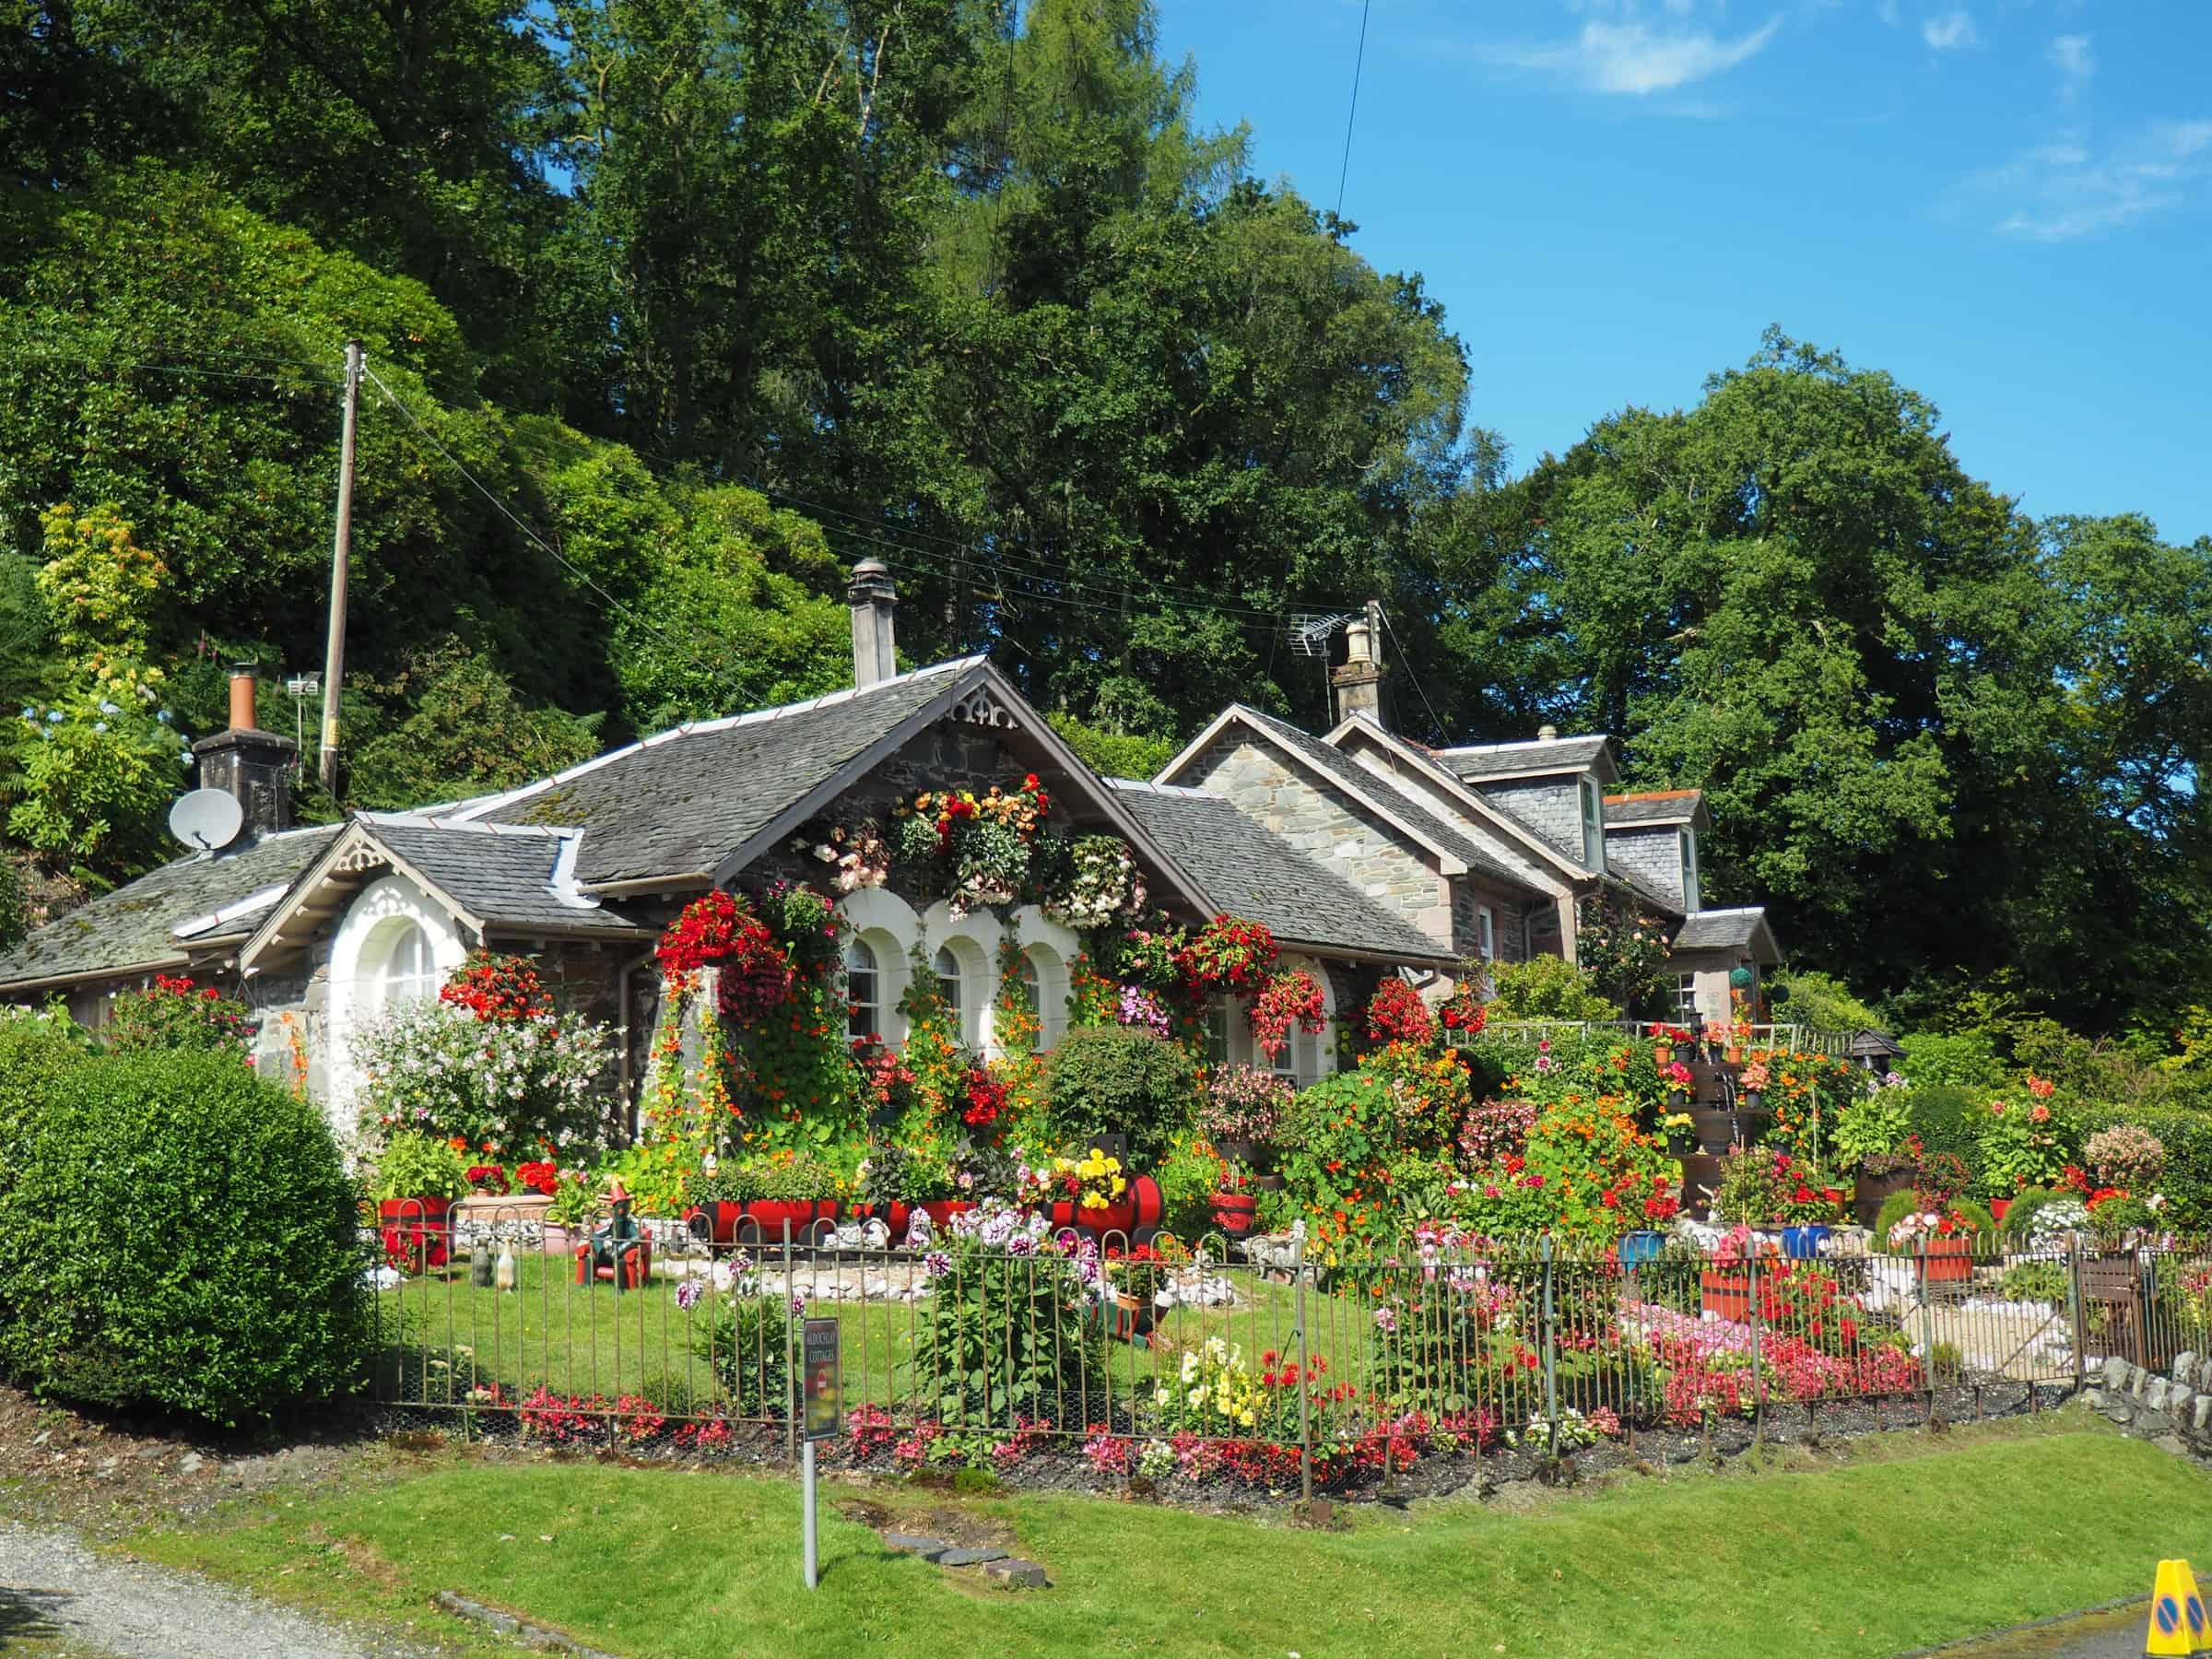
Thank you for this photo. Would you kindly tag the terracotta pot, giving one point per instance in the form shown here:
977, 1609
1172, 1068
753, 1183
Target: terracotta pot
1663, 1054
1235, 1214
1726, 1294
1947, 1260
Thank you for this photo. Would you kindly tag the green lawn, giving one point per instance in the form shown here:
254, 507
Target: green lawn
1901, 1541
441, 1336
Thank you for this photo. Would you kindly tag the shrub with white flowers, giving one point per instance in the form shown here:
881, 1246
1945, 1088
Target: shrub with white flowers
505, 1087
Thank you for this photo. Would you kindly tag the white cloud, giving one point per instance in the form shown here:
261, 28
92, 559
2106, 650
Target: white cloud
1633, 58
2067, 189
1947, 32
2070, 56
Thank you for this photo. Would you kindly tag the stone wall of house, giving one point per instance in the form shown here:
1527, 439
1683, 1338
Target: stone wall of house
1551, 806
1504, 848
1509, 931
1654, 854
1376, 858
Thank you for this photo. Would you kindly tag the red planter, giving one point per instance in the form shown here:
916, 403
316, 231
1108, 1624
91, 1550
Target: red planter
1997, 1207
1726, 1295
942, 1210
771, 1215
714, 1221
1235, 1214
1947, 1260
894, 1215
415, 1232
1119, 1216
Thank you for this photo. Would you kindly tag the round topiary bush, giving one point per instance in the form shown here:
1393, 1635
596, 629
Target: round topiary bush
181, 1234
1120, 1080
2019, 1220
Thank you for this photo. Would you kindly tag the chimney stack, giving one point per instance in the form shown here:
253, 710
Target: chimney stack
1359, 682
872, 596
1547, 734
254, 766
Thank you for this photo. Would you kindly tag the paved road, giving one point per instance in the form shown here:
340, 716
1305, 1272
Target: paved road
2098, 1636
54, 1590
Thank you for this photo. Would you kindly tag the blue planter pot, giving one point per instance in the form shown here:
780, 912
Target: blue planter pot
1803, 1243
1638, 1248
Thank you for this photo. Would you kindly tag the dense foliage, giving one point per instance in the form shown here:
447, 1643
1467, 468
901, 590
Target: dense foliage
720, 296
180, 1235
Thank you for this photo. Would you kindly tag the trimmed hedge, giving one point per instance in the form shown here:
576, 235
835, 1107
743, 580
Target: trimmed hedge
1946, 1119
181, 1234
1119, 1080
35, 1050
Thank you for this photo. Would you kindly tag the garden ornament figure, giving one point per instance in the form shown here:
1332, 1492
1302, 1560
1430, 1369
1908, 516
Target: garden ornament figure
617, 1229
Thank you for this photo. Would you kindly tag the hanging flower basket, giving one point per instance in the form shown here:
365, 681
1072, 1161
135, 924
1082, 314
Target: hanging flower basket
1288, 999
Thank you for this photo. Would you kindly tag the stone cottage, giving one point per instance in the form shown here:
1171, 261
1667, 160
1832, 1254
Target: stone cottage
1364, 853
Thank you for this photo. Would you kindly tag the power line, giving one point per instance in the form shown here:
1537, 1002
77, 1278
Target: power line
538, 541
1358, 63
1436, 721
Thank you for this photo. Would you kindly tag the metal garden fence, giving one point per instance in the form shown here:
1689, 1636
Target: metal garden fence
1257, 1361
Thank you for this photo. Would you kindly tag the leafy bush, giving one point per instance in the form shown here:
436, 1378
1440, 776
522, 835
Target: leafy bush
507, 1086
2019, 1220
1822, 1001
1004, 1337
1188, 1177
1120, 1080
1959, 1060
174, 1013
1945, 1119
2187, 1138
416, 1166
1546, 987
15, 918
36, 1051
182, 1235
746, 1340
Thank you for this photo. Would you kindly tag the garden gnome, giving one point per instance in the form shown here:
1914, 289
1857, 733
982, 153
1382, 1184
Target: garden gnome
508, 1274
617, 1229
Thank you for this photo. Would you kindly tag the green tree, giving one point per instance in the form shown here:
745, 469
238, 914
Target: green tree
466, 732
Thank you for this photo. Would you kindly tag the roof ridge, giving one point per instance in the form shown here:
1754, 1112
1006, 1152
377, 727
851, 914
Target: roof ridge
485, 806
1654, 795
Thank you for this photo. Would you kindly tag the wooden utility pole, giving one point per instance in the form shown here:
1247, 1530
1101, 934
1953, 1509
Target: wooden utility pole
341, 550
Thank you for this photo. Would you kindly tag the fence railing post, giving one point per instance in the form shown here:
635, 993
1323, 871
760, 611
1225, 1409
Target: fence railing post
2073, 1308
1759, 1389
1305, 1416
791, 1390
1551, 1350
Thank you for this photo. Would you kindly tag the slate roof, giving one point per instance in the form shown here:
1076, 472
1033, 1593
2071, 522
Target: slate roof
1247, 869
1348, 773
497, 874
1654, 807
1637, 882
1533, 756
129, 928
1721, 929
679, 803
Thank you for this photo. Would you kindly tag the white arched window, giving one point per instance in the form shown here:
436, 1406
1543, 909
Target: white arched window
406, 968
864, 987
1309, 1055
1044, 976
951, 992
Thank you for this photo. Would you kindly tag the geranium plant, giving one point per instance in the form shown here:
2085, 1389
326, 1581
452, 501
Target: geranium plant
719, 930
175, 1013
1288, 999
1242, 1103
497, 987
1396, 1013
1229, 954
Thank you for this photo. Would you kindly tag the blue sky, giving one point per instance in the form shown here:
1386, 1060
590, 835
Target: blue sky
2007, 205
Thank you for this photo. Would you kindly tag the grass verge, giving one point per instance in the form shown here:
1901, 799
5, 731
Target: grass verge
1902, 1542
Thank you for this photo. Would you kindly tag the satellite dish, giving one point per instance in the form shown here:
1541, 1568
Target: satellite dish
207, 818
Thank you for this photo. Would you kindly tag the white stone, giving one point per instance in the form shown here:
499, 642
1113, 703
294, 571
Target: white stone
2154, 1393
2184, 1367
2200, 1412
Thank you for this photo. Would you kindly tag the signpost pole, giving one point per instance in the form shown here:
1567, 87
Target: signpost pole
807, 1460
821, 1414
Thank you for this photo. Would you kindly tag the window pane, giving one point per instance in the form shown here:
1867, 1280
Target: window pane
861, 988
1216, 1033
948, 969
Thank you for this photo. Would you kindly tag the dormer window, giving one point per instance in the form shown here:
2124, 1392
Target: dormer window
1689, 869
1593, 827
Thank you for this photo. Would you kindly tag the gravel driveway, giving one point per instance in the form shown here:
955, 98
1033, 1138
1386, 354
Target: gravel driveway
55, 1590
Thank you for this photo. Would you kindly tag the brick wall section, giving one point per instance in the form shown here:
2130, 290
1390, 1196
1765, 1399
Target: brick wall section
1551, 806
1654, 854
1377, 859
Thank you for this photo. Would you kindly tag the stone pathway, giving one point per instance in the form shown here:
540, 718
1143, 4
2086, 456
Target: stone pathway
55, 1590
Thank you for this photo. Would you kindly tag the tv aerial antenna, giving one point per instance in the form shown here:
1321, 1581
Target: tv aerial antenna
301, 687
1311, 632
